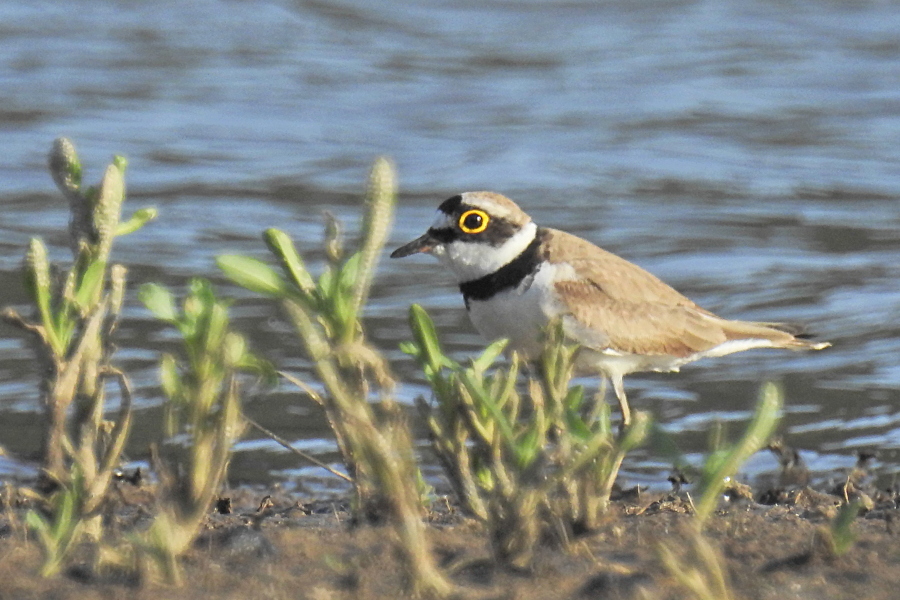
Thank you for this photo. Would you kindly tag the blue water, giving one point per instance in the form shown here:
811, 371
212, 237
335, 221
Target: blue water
744, 151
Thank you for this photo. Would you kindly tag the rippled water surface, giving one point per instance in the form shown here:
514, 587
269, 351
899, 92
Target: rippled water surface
747, 152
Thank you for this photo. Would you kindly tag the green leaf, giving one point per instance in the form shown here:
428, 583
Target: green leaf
490, 354
577, 427
349, 273
342, 312
37, 280
484, 477
325, 286
138, 219
485, 401
214, 328
37, 523
574, 399
283, 248
160, 301
527, 447
426, 336
235, 349
842, 536
603, 422
410, 348
192, 324
509, 381
89, 288
170, 378
253, 274
63, 521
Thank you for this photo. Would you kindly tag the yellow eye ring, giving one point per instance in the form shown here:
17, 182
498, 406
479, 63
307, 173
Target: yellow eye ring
474, 221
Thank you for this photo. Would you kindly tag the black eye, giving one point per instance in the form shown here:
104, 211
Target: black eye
473, 221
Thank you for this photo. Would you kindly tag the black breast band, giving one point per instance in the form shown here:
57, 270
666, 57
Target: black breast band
509, 276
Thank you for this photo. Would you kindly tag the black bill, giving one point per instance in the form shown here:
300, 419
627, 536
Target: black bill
421, 244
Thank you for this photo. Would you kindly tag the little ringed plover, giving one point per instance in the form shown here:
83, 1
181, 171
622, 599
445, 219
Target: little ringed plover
516, 277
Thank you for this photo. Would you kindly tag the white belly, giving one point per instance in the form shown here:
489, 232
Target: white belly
519, 314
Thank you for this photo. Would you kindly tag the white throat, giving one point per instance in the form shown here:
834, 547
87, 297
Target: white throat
470, 260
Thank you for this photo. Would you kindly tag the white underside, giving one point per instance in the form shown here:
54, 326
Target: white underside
616, 365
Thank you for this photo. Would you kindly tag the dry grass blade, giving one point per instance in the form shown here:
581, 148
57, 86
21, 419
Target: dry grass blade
285, 444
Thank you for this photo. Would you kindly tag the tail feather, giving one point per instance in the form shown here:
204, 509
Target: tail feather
782, 335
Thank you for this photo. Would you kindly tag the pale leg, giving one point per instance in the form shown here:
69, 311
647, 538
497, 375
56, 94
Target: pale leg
619, 387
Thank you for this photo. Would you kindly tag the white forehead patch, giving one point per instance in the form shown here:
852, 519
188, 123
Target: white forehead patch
441, 221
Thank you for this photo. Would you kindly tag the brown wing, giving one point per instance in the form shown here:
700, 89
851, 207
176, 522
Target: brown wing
620, 306
638, 327
618, 278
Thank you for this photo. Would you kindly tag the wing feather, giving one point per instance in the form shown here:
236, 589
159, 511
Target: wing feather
638, 327
618, 306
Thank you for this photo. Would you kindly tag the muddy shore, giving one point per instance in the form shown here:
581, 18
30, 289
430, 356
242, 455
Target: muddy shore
773, 544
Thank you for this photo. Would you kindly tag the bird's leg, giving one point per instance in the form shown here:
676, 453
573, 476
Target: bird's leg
619, 387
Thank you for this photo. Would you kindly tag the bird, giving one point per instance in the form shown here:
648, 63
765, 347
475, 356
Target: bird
516, 278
